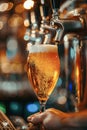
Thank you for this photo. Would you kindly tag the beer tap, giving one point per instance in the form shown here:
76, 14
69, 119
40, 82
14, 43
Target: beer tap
44, 24
46, 28
43, 11
55, 4
74, 24
35, 37
38, 35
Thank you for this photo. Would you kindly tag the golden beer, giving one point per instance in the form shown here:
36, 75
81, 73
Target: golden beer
43, 67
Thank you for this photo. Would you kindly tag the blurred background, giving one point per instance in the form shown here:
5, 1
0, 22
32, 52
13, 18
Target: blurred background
20, 20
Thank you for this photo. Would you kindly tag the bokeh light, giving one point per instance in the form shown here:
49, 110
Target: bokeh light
28, 4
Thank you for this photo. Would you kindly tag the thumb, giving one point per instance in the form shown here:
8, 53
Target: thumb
36, 118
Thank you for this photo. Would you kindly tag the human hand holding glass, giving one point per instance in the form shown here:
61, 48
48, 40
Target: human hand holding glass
43, 67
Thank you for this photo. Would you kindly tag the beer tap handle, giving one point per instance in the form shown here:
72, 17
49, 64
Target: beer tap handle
55, 4
43, 13
36, 37
33, 20
43, 10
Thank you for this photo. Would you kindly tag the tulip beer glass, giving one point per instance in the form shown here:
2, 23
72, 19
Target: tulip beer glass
43, 68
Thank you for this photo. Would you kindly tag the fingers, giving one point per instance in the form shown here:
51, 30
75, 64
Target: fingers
36, 118
39, 117
50, 119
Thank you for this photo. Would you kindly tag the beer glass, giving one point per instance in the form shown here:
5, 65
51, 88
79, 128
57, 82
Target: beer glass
43, 68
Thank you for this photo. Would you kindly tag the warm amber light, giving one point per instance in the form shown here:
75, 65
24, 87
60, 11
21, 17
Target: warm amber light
28, 4
26, 22
15, 21
77, 72
5, 6
19, 8
1, 25
78, 82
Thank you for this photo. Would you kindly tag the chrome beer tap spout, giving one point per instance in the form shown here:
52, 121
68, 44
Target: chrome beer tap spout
70, 24
45, 28
55, 4
51, 32
74, 24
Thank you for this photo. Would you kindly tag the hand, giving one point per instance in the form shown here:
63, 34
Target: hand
51, 119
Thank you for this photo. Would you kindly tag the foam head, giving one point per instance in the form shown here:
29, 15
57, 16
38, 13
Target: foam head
42, 48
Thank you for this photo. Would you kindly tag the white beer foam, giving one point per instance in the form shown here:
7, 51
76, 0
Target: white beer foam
42, 48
